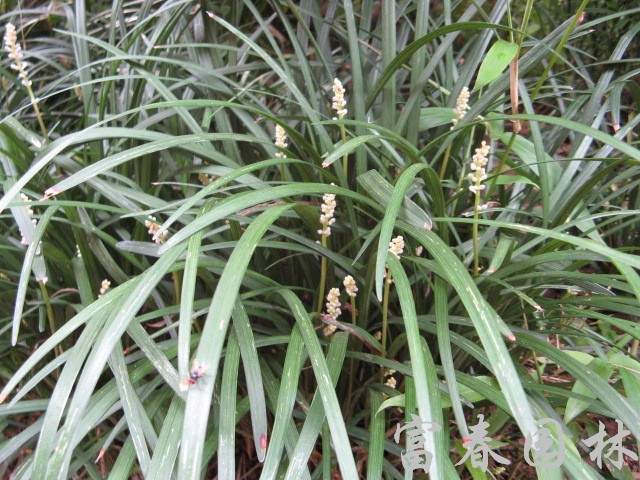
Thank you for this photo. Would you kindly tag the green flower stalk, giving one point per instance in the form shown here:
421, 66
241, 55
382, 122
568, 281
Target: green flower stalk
351, 288
328, 209
477, 176
396, 248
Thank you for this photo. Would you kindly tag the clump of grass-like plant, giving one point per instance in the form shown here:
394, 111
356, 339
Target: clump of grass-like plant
248, 239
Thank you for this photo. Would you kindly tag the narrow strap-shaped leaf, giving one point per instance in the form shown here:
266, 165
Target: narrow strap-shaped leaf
110, 335
376, 437
244, 200
60, 395
121, 470
157, 357
34, 249
426, 384
446, 358
210, 347
272, 385
253, 379
487, 325
132, 407
327, 393
218, 183
227, 425
293, 363
618, 404
166, 451
358, 101
295, 91
186, 302
43, 373
315, 416
389, 220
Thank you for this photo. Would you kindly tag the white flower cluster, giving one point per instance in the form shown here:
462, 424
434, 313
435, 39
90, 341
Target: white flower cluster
478, 164
462, 106
390, 379
333, 310
396, 246
155, 230
350, 286
281, 140
333, 303
104, 287
13, 48
328, 208
339, 103
205, 179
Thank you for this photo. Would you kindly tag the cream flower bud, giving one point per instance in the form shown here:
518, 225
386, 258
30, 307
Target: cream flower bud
390, 379
462, 106
155, 230
339, 103
396, 246
478, 163
327, 208
280, 140
13, 48
328, 330
104, 287
350, 286
204, 179
333, 303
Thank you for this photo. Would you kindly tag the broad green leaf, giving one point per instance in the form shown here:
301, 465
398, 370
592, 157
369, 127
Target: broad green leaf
495, 61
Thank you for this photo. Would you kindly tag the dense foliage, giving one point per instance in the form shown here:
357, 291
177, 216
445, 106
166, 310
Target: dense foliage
249, 238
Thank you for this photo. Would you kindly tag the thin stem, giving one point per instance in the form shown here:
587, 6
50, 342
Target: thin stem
352, 362
476, 243
445, 161
345, 158
385, 317
503, 157
36, 108
176, 286
50, 315
323, 275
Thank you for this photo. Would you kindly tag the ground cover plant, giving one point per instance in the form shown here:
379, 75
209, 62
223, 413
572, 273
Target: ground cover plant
256, 239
